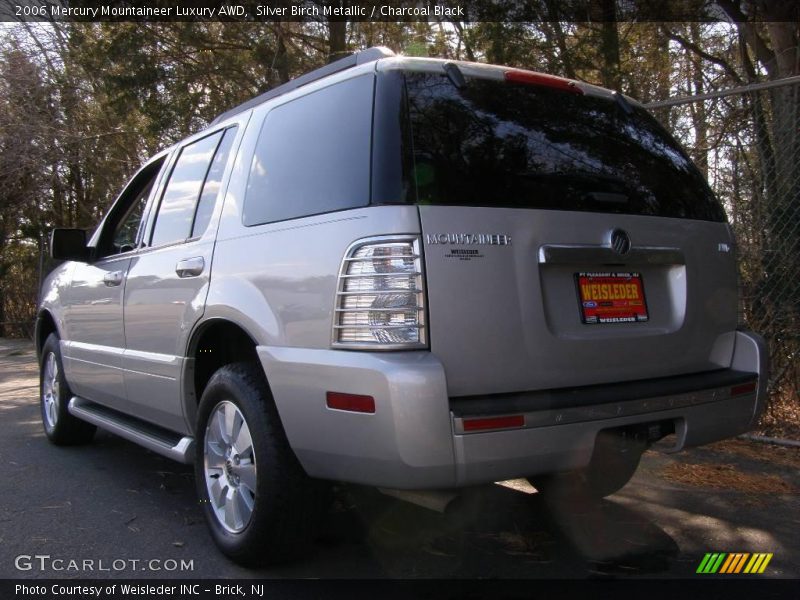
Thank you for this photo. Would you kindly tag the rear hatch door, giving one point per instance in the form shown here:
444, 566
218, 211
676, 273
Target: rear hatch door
568, 240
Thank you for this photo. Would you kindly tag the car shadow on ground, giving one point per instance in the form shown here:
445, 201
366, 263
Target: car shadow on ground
494, 531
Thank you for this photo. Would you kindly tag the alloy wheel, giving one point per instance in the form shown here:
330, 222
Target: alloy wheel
51, 391
230, 467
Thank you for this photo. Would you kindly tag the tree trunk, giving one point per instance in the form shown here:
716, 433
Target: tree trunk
555, 36
281, 56
609, 47
496, 52
337, 38
699, 117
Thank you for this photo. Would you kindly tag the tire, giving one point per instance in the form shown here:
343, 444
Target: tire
259, 504
614, 463
61, 428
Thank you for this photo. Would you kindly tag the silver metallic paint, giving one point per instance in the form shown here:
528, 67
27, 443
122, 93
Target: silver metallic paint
412, 440
92, 352
407, 443
507, 322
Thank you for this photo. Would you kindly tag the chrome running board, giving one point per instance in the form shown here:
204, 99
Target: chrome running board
152, 437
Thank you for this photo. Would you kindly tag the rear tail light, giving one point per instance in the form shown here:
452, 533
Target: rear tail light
380, 297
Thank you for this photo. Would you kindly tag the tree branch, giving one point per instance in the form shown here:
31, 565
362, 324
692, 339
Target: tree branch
692, 47
763, 53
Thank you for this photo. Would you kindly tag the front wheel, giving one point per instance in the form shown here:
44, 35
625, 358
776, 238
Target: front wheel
259, 504
60, 426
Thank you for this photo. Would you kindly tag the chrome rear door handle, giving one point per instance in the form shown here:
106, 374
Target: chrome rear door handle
190, 267
558, 254
112, 279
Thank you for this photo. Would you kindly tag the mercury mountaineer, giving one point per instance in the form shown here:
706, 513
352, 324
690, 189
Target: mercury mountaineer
277, 300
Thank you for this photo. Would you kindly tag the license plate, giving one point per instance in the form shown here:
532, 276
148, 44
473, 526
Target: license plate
611, 298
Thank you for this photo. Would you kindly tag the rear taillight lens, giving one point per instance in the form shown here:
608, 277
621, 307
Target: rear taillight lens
380, 298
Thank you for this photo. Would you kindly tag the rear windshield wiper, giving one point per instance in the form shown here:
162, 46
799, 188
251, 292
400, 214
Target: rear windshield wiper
608, 197
595, 186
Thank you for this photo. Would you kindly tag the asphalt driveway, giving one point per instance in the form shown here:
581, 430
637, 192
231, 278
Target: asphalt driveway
112, 509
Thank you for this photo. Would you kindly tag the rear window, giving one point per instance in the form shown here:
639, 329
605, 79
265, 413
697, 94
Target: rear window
498, 143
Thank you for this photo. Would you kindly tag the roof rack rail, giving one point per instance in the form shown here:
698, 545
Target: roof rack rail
355, 59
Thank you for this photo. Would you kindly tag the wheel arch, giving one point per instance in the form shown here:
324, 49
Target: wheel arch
214, 342
46, 324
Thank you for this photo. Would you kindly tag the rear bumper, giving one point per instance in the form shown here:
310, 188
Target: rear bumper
416, 438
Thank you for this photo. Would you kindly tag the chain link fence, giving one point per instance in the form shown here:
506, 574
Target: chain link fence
747, 142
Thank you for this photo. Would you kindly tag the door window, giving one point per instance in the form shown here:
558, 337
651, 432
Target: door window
208, 197
127, 231
177, 209
123, 227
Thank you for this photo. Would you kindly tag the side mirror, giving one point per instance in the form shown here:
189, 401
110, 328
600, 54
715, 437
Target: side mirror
69, 244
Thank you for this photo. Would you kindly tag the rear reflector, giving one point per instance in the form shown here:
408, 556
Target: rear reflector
557, 83
350, 402
745, 388
481, 424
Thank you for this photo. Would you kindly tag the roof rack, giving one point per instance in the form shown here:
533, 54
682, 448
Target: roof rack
355, 59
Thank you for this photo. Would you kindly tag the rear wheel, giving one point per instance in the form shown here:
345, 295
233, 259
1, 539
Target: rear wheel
54, 394
259, 504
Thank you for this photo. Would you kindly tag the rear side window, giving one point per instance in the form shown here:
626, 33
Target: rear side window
497, 143
313, 155
177, 208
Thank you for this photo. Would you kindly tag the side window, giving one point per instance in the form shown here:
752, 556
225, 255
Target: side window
127, 230
313, 155
123, 226
177, 208
208, 197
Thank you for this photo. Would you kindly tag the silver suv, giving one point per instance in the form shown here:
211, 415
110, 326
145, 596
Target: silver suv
408, 273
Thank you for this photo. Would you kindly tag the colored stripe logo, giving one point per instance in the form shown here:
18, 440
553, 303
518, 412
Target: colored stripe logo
734, 563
